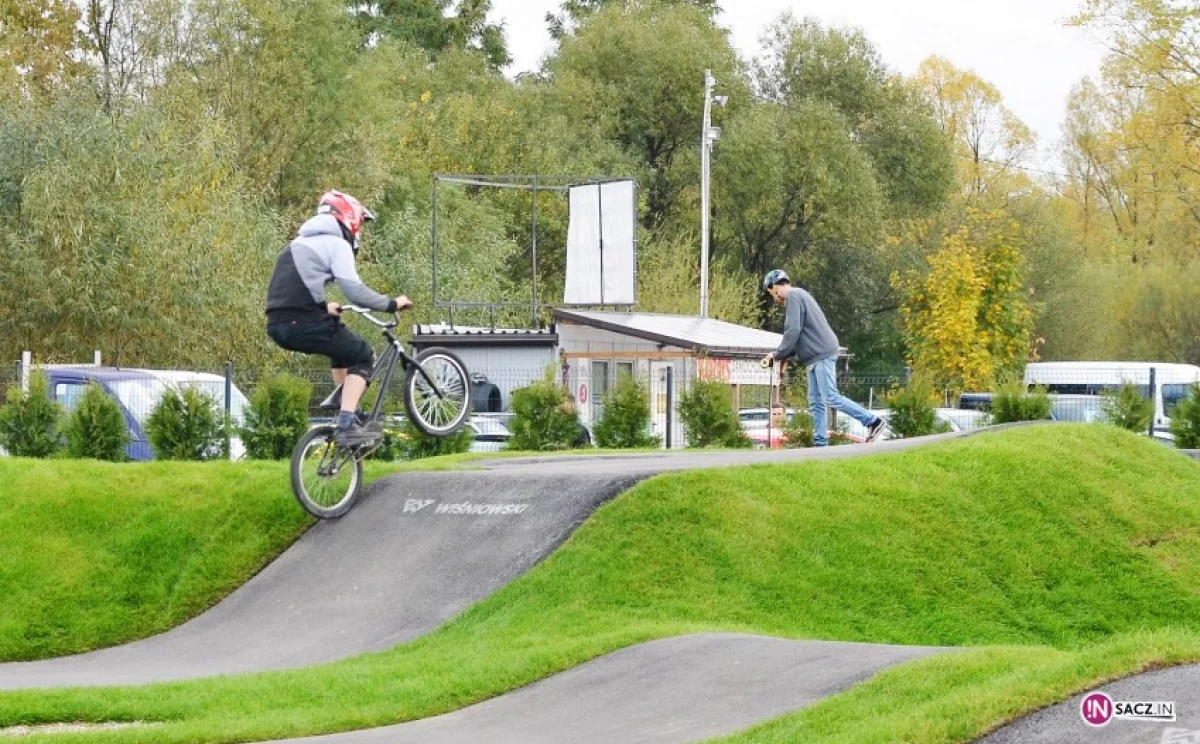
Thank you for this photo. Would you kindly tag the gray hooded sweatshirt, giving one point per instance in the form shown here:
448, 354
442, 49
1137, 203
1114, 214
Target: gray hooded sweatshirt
318, 256
806, 333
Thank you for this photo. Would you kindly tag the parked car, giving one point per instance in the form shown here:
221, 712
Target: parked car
491, 435
759, 429
957, 419
975, 401
757, 418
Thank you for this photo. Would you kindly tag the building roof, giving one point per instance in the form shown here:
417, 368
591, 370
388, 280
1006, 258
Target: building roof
473, 335
705, 335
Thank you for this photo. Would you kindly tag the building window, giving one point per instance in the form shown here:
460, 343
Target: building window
624, 368
599, 388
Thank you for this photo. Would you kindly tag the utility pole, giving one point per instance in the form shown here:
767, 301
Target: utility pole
709, 135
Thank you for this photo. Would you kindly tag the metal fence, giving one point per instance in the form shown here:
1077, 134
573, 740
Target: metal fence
1077, 393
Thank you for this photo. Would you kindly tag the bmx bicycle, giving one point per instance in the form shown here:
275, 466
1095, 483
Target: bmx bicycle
327, 477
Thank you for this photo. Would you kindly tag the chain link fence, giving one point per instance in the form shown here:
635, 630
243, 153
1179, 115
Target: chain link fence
1077, 392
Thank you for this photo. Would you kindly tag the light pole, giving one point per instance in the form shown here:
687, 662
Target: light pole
709, 134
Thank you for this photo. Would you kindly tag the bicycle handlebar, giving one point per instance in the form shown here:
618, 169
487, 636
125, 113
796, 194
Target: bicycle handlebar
367, 314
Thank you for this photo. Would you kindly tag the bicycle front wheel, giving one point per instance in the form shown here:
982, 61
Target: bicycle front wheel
326, 478
438, 415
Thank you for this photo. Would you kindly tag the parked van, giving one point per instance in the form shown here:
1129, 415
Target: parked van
1083, 384
214, 387
127, 387
137, 392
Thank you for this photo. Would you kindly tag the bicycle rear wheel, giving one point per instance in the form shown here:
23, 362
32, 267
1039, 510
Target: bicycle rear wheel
438, 415
326, 478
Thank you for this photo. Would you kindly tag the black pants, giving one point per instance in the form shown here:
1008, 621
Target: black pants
327, 337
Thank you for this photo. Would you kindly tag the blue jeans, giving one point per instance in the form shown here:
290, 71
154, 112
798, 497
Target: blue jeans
823, 394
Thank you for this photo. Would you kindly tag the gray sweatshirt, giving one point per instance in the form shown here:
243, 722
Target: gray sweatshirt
806, 333
317, 257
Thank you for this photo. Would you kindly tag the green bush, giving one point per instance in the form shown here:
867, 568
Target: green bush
1185, 420
543, 418
799, 431
97, 428
28, 423
1126, 408
707, 412
276, 418
1014, 403
913, 410
626, 420
186, 426
410, 443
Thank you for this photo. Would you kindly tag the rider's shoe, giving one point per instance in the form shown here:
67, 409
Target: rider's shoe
359, 434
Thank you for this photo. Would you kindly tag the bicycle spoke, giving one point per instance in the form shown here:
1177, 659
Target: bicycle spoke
328, 473
440, 411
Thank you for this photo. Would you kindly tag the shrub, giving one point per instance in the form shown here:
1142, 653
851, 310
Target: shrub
186, 426
28, 422
543, 418
276, 418
1126, 408
1014, 403
413, 444
707, 412
626, 420
1185, 420
913, 410
97, 428
799, 431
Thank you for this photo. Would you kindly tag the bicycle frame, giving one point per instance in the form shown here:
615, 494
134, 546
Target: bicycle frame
394, 353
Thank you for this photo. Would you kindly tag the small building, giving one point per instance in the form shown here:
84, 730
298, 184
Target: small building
665, 351
506, 358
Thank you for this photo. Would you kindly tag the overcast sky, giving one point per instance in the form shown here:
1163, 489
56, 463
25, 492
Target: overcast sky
1021, 46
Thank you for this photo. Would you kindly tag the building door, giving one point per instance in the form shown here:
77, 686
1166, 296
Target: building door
658, 400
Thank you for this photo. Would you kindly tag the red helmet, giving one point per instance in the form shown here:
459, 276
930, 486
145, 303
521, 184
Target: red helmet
347, 210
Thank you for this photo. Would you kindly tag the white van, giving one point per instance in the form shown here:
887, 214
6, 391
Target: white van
212, 386
1083, 384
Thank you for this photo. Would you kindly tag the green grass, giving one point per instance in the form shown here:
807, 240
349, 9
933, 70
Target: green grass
960, 696
1070, 551
96, 554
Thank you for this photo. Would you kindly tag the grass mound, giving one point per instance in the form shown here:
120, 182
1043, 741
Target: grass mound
97, 554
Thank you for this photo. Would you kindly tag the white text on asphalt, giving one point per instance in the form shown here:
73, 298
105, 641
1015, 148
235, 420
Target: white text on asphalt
467, 508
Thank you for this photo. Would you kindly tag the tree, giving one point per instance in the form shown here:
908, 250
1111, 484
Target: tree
991, 143
885, 114
140, 239
791, 184
635, 72
435, 26
574, 12
38, 45
282, 77
808, 178
966, 321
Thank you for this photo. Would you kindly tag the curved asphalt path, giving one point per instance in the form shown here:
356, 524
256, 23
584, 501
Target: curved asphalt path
418, 549
682, 689
1063, 723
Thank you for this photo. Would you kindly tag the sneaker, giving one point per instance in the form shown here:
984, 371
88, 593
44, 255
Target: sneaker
357, 434
875, 429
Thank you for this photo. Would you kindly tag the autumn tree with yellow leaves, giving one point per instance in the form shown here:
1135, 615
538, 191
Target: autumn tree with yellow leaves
966, 320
